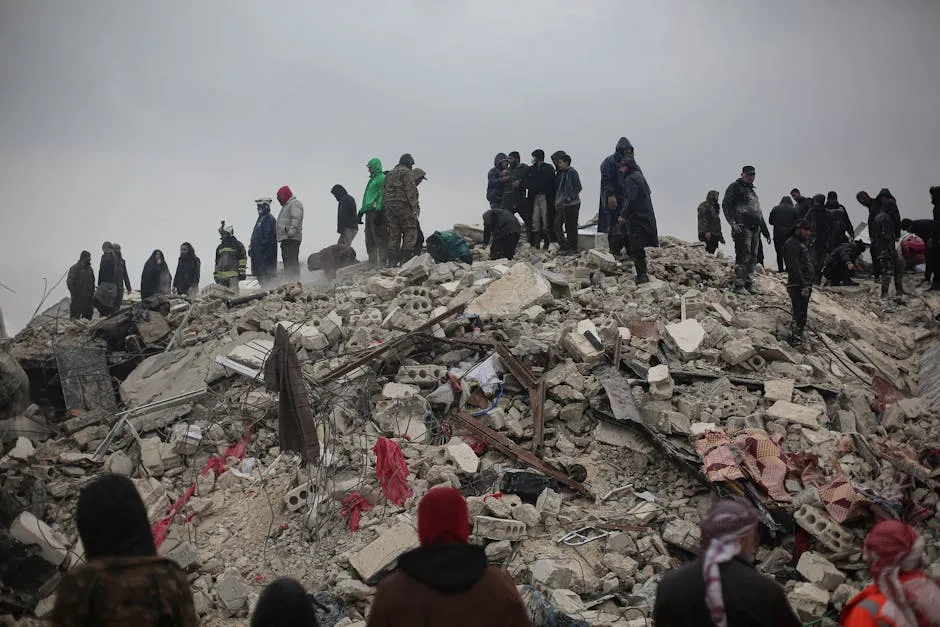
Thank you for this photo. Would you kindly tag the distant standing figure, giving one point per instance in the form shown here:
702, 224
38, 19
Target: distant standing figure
742, 211
347, 222
123, 281
284, 603
567, 203
372, 209
290, 222
883, 240
263, 245
81, 285
637, 217
611, 194
926, 230
123, 582
400, 198
782, 218
540, 182
841, 230
498, 181
502, 229
709, 222
106, 294
419, 175
801, 202
188, 271
156, 277
230, 259
801, 275
518, 201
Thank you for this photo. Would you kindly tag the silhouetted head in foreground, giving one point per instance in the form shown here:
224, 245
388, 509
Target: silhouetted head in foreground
284, 603
112, 520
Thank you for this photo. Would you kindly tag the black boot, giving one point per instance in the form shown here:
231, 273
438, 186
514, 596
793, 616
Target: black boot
642, 276
533, 239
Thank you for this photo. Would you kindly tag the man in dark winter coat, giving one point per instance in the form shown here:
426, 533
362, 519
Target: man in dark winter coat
801, 202
519, 203
818, 219
800, 278
637, 218
868, 202
567, 203
721, 587
925, 229
347, 218
188, 269
81, 284
502, 228
841, 229
883, 240
709, 222
742, 211
230, 259
840, 264
782, 218
886, 201
540, 182
263, 245
123, 280
611, 194
498, 181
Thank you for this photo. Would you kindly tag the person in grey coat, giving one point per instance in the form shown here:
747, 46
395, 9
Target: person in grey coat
637, 218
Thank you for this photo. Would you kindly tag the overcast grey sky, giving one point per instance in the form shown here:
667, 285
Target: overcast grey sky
148, 122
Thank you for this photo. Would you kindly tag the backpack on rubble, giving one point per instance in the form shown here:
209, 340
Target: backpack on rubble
448, 246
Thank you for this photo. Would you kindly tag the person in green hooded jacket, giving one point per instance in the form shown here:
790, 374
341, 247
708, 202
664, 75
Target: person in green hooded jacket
372, 209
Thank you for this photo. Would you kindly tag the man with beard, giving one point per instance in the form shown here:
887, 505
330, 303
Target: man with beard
801, 202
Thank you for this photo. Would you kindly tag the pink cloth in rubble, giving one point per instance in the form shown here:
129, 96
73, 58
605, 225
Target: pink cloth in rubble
391, 470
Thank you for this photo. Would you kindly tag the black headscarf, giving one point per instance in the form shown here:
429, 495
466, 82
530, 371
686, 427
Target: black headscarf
112, 520
284, 602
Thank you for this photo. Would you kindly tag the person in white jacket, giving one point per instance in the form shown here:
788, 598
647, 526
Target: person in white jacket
290, 222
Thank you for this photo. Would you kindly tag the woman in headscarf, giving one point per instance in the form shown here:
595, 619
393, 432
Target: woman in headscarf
123, 581
901, 595
156, 277
447, 581
188, 268
284, 603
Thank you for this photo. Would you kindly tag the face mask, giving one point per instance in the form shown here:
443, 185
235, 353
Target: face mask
534, 161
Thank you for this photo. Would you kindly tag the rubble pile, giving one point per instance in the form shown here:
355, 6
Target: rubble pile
590, 422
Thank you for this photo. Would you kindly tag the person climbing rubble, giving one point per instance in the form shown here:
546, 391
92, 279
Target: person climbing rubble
742, 211
188, 271
800, 278
722, 587
263, 245
230, 259
842, 262
123, 581
902, 595
884, 236
709, 222
284, 602
400, 200
347, 222
155, 278
782, 218
502, 229
637, 219
81, 285
446, 582
376, 225
290, 226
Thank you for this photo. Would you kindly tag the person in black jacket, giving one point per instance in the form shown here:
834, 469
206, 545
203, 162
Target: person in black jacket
611, 194
262, 248
883, 240
721, 588
800, 278
498, 181
818, 219
782, 218
637, 217
502, 228
540, 182
925, 229
188, 269
801, 202
841, 229
156, 277
840, 264
743, 213
347, 218
81, 285
709, 222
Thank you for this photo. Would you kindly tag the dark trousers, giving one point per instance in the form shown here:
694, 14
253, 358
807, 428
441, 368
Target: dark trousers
711, 244
800, 306
376, 238
504, 247
891, 266
567, 220
817, 257
82, 309
932, 271
778, 248
746, 251
290, 254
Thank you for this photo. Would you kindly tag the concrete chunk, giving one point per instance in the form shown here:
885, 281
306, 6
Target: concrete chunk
253, 353
809, 601
683, 534
778, 389
31, 531
521, 288
820, 571
308, 336
791, 412
660, 382
384, 550
577, 344
737, 351
498, 528
233, 591
462, 456
687, 337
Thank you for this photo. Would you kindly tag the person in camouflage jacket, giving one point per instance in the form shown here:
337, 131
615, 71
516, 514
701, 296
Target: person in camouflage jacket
400, 196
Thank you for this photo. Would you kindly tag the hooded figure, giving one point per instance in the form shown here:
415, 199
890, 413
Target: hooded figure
709, 222
263, 245
123, 281
372, 205
230, 259
782, 218
290, 222
156, 277
902, 595
123, 581
81, 285
400, 199
885, 200
188, 269
935, 201
841, 229
347, 220
106, 294
611, 193
447, 582
818, 218
498, 182
284, 602
502, 228
637, 220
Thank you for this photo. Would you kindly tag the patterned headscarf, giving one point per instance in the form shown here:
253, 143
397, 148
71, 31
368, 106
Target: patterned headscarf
722, 530
891, 548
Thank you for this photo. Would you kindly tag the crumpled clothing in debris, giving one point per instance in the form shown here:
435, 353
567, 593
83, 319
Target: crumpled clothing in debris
353, 506
328, 607
391, 470
296, 429
543, 614
841, 500
764, 461
714, 448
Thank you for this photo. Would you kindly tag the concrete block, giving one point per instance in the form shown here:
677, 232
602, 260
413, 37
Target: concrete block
567, 602
831, 534
185, 438
778, 389
548, 503
151, 455
119, 464
551, 573
185, 554
528, 514
22, 450
820, 571
29, 530
624, 566
297, 498
328, 327
498, 528
415, 306
683, 534
602, 259
809, 601
687, 337
522, 287
404, 417
661, 385
205, 483
393, 389
429, 376
384, 287
580, 347
381, 552
793, 413
737, 351
233, 591
307, 336
252, 354
644, 511
499, 550
462, 456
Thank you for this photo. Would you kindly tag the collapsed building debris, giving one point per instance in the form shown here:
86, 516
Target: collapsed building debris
590, 421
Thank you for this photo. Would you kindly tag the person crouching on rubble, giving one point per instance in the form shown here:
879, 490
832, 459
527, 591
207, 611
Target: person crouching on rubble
123, 581
447, 581
722, 587
901, 595
841, 263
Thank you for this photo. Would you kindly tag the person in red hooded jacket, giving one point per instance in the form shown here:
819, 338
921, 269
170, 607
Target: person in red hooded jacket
902, 595
447, 582
289, 227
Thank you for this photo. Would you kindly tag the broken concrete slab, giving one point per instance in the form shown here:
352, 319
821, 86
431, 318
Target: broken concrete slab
462, 456
809, 601
579, 346
686, 337
31, 531
820, 571
404, 416
683, 534
383, 551
305, 335
522, 287
661, 385
779, 389
793, 413
233, 591
737, 351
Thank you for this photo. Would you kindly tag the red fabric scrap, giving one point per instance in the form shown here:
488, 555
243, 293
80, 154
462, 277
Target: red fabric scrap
391, 470
478, 446
353, 506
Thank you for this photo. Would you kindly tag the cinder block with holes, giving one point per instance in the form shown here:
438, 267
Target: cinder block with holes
415, 291
429, 376
831, 534
297, 498
415, 305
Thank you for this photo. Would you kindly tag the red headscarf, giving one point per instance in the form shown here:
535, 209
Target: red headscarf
443, 517
284, 194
